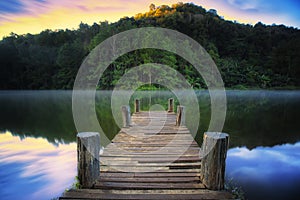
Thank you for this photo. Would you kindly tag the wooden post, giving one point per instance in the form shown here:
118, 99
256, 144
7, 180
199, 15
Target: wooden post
126, 116
171, 105
214, 150
180, 120
88, 165
137, 105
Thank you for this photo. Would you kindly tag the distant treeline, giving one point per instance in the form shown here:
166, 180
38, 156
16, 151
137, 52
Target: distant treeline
247, 56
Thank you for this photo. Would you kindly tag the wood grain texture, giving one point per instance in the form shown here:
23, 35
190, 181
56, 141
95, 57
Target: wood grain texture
151, 159
88, 147
214, 150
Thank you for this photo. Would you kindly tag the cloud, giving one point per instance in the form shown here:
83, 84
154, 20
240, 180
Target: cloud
245, 4
12, 6
265, 6
282, 163
39, 15
259, 170
253, 11
36, 8
24, 7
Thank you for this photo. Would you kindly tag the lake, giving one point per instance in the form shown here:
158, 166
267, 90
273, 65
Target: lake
38, 140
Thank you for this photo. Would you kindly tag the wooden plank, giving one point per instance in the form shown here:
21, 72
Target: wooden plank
127, 163
151, 179
125, 185
148, 174
91, 194
148, 155
160, 191
158, 142
170, 148
150, 169
156, 139
160, 159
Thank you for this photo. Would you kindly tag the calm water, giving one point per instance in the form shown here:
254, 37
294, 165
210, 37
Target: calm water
38, 149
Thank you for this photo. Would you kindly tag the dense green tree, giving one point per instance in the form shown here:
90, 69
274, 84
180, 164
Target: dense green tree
259, 56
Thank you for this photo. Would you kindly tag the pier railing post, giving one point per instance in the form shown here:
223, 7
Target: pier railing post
214, 150
137, 106
126, 116
171, 105
180, 120
88, 165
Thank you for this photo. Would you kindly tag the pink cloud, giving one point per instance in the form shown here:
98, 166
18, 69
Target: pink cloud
83, 8
35, 8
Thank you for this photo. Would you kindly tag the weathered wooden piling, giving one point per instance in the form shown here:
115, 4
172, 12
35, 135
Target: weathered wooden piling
171, 105
180, 120
126, 116
137, 106
214, 150
88, 148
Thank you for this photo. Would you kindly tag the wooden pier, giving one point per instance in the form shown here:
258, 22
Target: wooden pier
153, 156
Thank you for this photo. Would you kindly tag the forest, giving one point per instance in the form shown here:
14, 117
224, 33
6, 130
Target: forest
248, 56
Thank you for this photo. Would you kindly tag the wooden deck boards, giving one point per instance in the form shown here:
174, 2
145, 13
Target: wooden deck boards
152, 159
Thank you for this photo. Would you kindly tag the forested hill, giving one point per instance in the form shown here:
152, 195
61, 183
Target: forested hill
259, 56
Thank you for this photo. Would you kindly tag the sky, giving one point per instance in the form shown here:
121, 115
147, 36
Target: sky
33, 16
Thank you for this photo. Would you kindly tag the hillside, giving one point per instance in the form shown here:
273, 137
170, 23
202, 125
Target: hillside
259, 56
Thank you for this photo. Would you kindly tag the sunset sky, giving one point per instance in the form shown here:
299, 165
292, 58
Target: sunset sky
33, 16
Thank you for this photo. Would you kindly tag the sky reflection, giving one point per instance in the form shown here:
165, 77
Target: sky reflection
266, 172
32, 168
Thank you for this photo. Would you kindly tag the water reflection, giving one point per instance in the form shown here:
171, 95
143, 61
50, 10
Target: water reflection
32, 168
46, 114
266, 172
254, 118
262, 118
